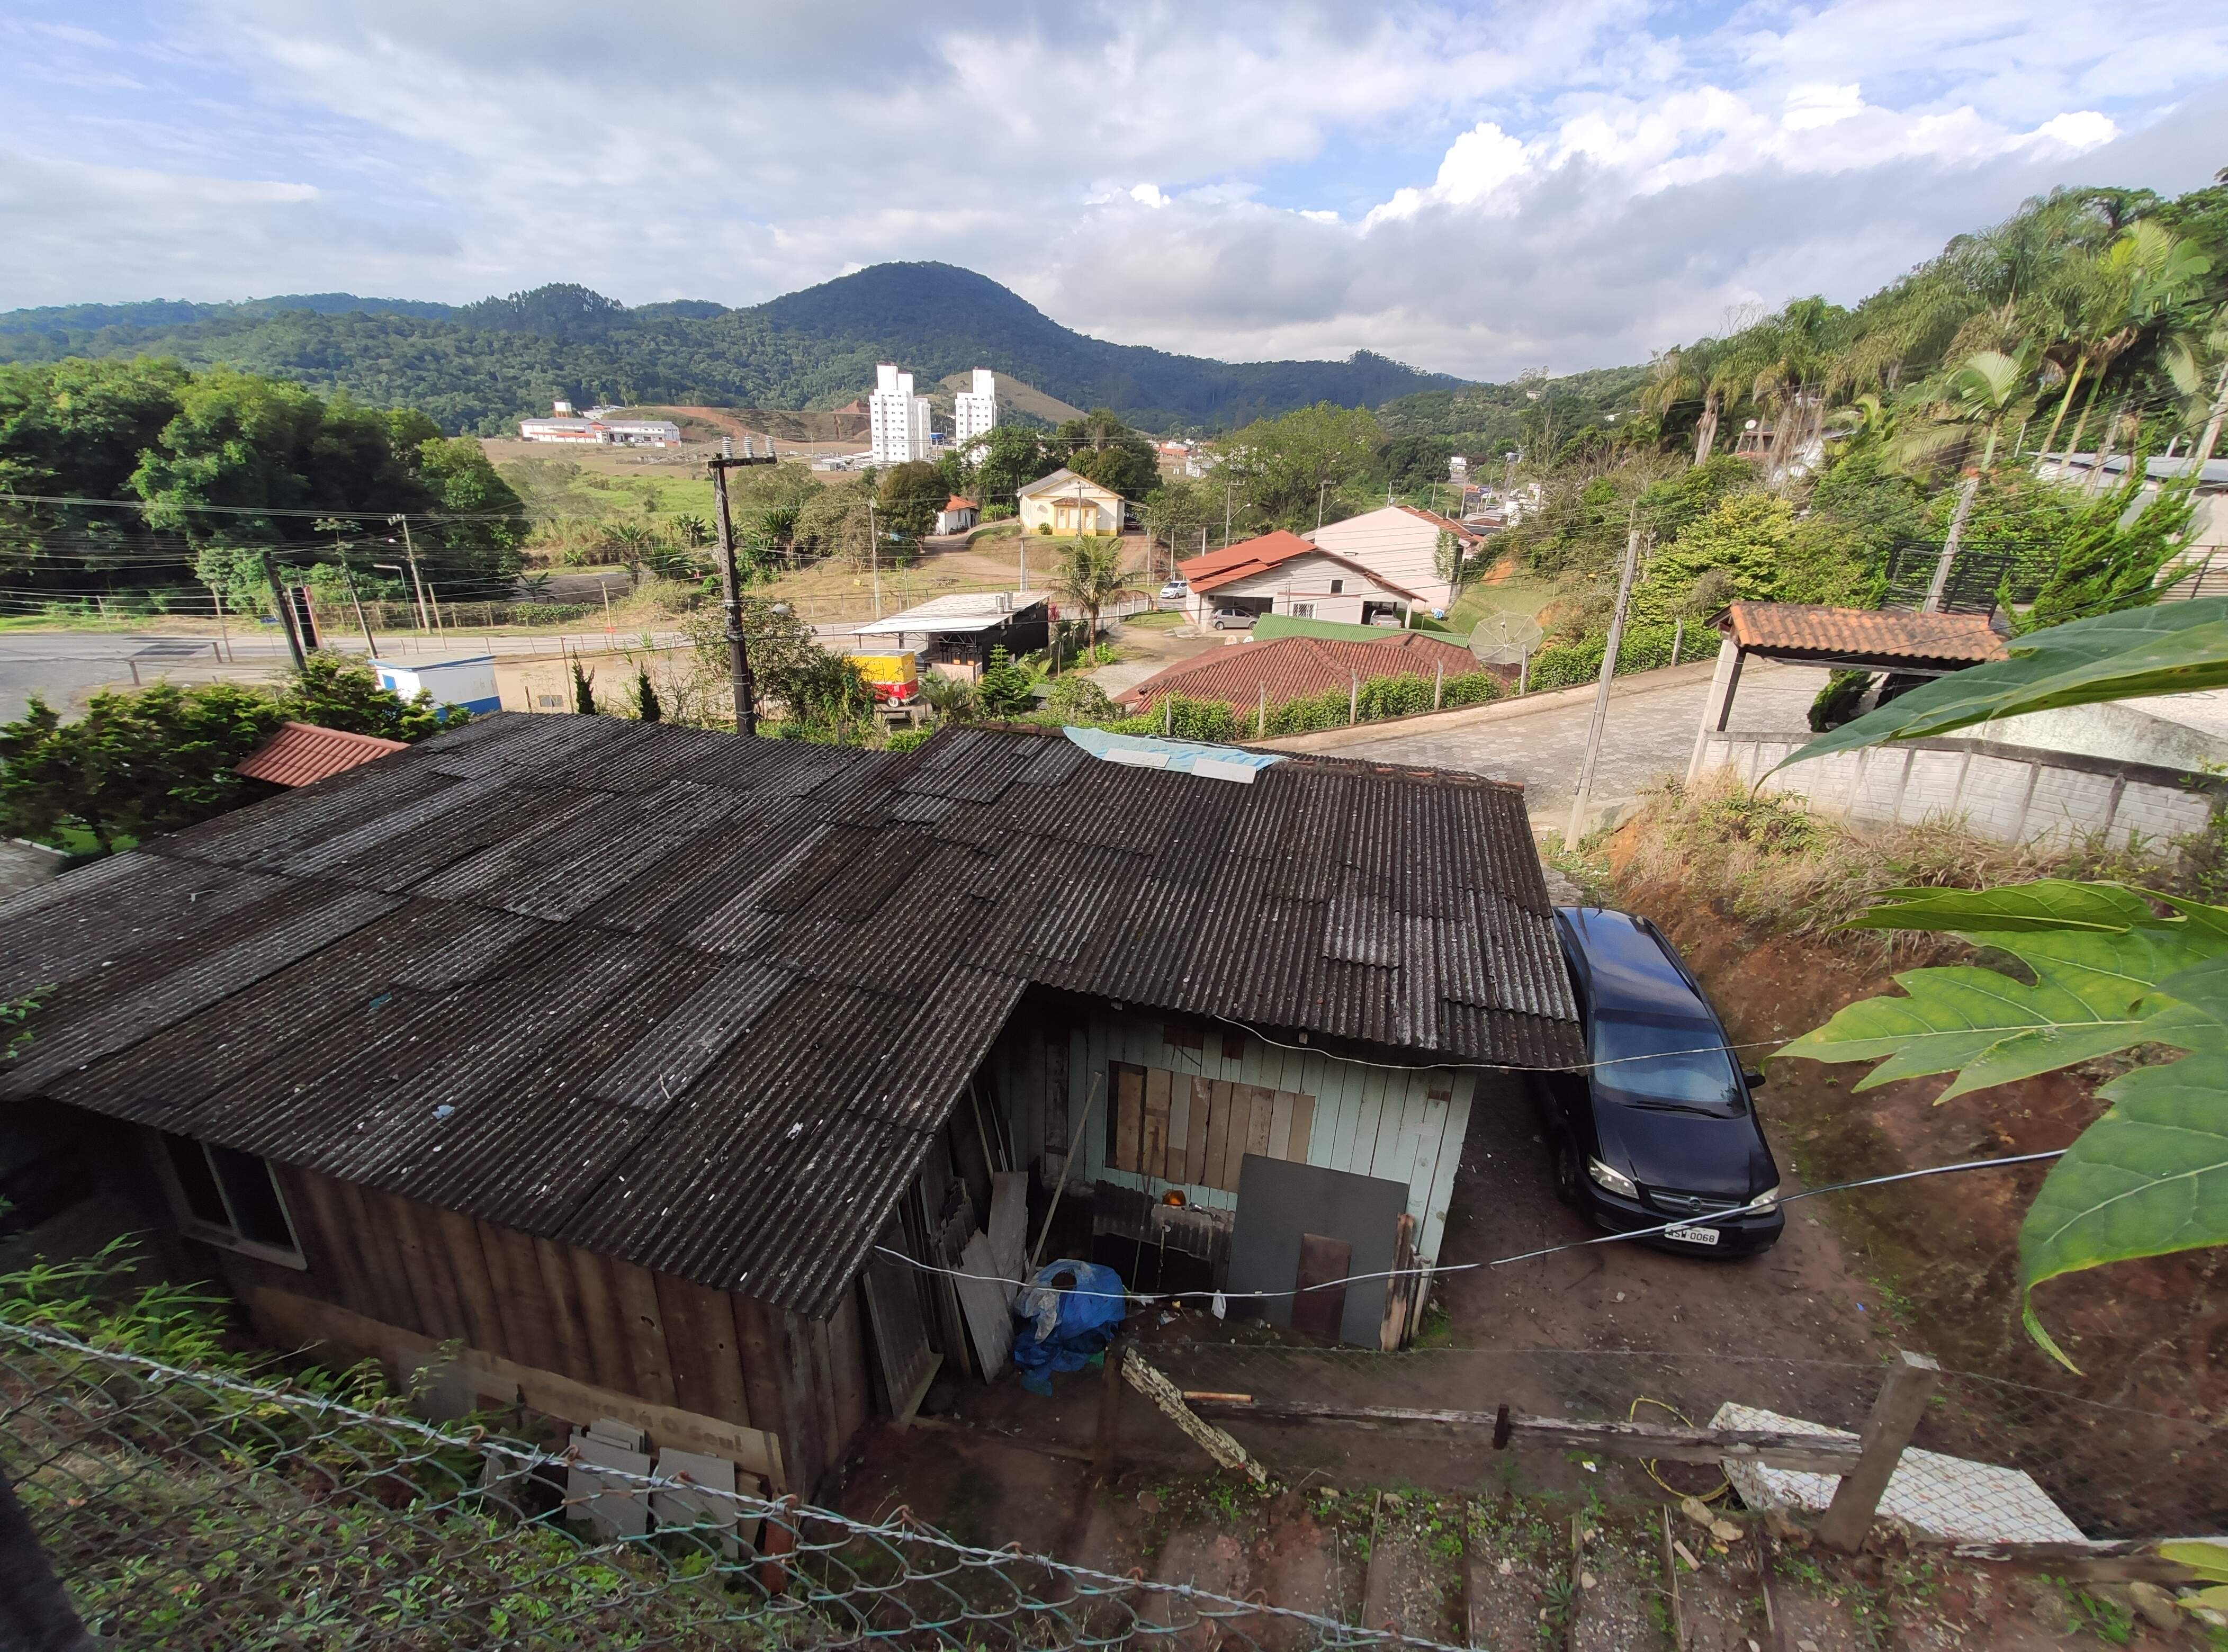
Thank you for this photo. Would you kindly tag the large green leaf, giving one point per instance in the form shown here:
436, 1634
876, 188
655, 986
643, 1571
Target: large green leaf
2046, 904
2109, 974
2148, 1178
2168, 648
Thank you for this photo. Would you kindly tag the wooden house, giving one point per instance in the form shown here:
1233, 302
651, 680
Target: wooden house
656, 1067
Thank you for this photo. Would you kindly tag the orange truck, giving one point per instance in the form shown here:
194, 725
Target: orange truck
895, 678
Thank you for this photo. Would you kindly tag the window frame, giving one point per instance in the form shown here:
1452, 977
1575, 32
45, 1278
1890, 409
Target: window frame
199, 1228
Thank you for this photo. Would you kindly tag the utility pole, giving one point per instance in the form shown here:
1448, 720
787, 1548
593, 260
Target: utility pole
285, 612
731, 603
874, 556
1939, 590
1601, 693
370, 645
223, 631
410, 555
1226, 516
1321, 489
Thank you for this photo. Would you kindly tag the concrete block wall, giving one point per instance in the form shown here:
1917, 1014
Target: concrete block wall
2012, 794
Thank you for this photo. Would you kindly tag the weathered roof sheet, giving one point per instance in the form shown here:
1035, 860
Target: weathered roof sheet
1798, 628
700, 1002
1292, 668
300, 753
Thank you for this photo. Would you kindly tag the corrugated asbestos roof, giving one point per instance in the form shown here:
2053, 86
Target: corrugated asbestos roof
700, 1002
1292, 668
301, 753
1797, 628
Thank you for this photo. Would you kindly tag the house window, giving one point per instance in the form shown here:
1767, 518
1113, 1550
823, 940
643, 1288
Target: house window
229, 1198
1303, 610
1337, 587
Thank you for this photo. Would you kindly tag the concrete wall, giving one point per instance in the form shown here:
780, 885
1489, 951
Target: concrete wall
2121, 730
2011, 793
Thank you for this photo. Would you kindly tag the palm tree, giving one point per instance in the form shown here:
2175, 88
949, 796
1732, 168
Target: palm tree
1089, 574
2146, 275
1680, 374
2182, 368
1975, 399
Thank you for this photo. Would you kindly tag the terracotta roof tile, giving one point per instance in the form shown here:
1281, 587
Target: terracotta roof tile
1250, 556
1292, 668
1863, 633
302, 752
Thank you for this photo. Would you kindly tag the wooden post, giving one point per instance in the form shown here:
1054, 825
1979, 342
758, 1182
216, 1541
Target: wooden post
1261, 714
1353, 699
1439, 685
1109, 1408
778, 1541
1895, 1414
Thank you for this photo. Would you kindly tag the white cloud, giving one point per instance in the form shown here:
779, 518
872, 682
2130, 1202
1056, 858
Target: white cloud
1472, 189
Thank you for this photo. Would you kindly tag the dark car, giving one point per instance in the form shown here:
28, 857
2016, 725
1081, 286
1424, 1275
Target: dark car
1659, 1125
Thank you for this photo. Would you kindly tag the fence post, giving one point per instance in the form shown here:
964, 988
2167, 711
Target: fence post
1894, 1419
1353, 699
1439, 685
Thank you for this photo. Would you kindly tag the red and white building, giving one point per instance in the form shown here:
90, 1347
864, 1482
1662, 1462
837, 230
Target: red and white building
565, 425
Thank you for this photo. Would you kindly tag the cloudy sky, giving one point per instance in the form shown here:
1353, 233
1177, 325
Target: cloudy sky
1476, 188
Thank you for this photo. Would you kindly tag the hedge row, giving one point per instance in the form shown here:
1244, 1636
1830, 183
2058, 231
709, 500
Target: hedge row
1566, 665
1382, 697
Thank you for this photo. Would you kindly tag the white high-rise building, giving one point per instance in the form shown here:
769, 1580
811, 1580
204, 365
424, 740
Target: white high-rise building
974, 412
899, 418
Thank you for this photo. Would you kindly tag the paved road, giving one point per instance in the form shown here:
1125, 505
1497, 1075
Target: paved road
64, 667
1650, 732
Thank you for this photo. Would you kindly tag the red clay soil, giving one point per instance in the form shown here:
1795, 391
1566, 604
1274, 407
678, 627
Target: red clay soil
2151, 1336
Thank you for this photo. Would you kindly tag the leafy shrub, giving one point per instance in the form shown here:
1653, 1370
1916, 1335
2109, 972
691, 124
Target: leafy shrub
1005, 690
1562, 665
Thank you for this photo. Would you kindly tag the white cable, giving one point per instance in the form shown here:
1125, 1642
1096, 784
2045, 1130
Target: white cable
1751, 1208
1495, 1066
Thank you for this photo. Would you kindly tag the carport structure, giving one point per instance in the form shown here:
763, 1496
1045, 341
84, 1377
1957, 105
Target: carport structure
1840, 639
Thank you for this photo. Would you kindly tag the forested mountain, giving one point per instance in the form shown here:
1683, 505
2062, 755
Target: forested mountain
477, 367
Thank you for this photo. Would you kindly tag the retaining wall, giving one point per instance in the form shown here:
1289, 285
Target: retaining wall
2012, 793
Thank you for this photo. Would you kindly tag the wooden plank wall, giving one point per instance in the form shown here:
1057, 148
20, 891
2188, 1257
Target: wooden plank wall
590, 1319
1403, 1125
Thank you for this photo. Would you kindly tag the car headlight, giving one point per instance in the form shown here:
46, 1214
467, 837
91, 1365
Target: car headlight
1765, 1200
1615, 1180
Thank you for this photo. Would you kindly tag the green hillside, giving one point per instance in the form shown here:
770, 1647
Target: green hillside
477, 367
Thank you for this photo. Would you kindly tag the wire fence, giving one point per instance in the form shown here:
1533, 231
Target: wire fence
188, 1509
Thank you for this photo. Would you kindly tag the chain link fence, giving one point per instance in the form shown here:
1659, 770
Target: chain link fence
187, 1509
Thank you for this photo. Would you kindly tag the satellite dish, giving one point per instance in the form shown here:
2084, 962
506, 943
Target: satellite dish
1504, 638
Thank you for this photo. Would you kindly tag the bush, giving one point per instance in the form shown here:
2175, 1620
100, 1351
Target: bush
1563, 665
1006, 690
1078, 700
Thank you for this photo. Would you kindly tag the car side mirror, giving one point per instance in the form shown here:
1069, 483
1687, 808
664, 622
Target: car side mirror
1752, 1077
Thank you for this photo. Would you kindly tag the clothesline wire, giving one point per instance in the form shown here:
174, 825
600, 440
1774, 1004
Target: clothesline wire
1501, 1066
1150, 1298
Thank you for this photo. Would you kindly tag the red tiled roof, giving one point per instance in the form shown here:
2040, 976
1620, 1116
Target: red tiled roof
956, 502
301, 753
1292, 668
1862, 633
1252, 556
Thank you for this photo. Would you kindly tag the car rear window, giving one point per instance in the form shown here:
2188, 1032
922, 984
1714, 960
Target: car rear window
1667, 1059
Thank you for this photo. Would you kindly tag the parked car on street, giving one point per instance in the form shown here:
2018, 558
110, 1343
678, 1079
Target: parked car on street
1229, 619
1661, 1125
1175, 588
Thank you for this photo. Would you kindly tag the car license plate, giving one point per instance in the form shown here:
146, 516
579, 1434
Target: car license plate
1693, 1235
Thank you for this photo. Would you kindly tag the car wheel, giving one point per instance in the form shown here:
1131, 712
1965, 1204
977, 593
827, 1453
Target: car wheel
1569, 1176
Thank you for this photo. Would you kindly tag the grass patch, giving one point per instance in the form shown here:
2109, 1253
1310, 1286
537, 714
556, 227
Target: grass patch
1153, 619
1766, 859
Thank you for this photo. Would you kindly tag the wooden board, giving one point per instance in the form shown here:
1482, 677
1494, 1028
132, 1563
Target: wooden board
571, 1336
1214, 1172
1198, 1131
700, 1340
1125, 1119
846, 1354
298, 1319
441, 1307
1280, 1123
989, 1319
610, 1350
1056, 1054
634, 1292
1179, 1128
762, 1365
1257, 1125
1153, 1139
905, 1359
1303, 1118
1320, 1313
460, 1238
330, 1241
515, 1272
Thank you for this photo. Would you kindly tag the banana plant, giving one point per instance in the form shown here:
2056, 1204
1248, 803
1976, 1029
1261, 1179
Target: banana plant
2096, 970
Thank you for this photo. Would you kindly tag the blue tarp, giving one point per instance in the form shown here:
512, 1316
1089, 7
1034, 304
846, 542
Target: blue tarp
1179, 756
1064, 1329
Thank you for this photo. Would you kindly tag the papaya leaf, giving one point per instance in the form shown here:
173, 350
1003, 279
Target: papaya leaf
2168, 648
2206, 1556
2148, 1178
2048, 903
2094, 993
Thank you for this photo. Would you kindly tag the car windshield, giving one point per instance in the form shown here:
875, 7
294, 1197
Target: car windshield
1665, 1061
